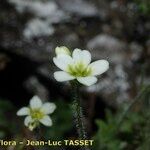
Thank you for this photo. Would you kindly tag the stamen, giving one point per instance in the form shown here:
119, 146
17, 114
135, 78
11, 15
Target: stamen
36, 114
79, 69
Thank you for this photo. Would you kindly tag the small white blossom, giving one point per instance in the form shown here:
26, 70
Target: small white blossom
37, 113
78, 66
62, 50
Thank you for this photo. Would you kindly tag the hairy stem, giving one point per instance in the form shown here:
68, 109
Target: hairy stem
78, 113
37, 133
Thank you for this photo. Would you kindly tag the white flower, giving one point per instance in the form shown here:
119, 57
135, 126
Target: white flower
37, 113
62, 50
78, 67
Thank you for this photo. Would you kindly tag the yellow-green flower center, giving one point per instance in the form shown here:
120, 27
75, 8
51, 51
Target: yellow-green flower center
36, 114
79, 69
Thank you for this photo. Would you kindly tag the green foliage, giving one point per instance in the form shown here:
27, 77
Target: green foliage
110, 136
144, 6
5, 112
126, 129
62, 121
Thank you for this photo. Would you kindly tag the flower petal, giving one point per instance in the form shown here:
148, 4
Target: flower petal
62, 50
62, 61
87, 80
82, 55
28, 120
62, 76
35, 102
46, 120
23, 111
48, 108
99, 67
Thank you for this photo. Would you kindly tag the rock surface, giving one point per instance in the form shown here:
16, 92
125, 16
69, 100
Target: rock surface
32, 29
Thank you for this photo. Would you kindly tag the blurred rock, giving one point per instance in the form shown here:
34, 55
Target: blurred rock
71, 40
115, 85
136, 51
145, 81
108, 47
4, 59
44, 15
148, 46
78, 7
36, 88
32, 30
40, 9
36, 28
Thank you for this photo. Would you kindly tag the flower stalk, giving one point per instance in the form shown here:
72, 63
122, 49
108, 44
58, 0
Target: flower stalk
37, 133
78, 112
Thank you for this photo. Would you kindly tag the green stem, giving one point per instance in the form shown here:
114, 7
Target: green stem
37, 133
78, 113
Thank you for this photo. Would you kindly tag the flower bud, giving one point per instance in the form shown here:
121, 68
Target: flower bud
62, 50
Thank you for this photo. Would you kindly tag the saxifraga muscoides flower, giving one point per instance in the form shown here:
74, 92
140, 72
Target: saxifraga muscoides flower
78, 66
37, 113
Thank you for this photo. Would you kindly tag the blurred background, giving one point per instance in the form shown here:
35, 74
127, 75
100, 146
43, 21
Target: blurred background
117, 108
